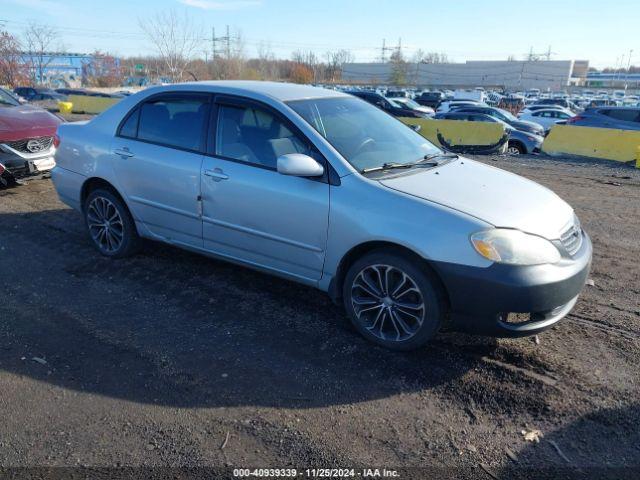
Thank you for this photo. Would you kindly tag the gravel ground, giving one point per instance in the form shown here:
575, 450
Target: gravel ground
169, 359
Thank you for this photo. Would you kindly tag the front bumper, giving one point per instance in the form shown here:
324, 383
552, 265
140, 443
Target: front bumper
22, 164
484, 300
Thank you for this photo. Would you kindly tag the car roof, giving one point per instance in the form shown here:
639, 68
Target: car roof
605, 107
474, 107
276, 90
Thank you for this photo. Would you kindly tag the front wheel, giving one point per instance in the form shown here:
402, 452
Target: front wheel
393, 301
110, 225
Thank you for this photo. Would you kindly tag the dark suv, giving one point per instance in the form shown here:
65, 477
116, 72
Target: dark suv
623, 118
430, 99
563, 102
503, 115
36, 93
384, 104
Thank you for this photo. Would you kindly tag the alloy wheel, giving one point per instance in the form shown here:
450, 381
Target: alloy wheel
105, 224
387, 302
513, 151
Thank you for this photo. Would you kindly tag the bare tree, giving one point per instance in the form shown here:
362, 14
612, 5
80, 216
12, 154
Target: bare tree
430, 57
13, 71
40, 40
175, 38
266, 64
310, 60
335, 60
399, 68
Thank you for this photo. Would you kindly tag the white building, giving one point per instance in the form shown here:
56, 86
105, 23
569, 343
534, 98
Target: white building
513, 75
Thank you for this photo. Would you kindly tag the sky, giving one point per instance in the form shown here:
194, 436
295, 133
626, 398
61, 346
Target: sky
602, 32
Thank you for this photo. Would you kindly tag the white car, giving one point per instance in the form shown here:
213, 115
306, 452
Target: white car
403, 102
547, 117
529, 109
448, 105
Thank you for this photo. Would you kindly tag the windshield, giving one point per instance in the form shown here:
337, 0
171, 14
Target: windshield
504, 115
410, 103
364, 135
6, 99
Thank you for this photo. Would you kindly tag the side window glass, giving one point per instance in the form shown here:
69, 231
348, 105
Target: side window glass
254, 135
176, 122
129, 128
624, 115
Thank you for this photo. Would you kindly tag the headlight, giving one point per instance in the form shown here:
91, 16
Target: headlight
514, 247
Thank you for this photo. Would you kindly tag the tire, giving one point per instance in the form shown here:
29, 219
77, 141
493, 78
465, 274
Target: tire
105, 212
515, 148
394, 320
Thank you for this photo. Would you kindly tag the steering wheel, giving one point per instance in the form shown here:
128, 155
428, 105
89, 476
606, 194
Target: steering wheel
366, 143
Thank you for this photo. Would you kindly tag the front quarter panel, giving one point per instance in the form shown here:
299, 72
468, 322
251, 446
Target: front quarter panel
363, 210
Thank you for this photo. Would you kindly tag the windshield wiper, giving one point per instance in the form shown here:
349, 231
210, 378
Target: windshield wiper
423, 162
439, 155
386, 166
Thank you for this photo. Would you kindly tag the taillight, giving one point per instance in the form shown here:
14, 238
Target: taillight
2, 169
56, 140
574, 119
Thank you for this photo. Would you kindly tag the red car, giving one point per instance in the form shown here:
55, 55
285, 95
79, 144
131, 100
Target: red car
27, 136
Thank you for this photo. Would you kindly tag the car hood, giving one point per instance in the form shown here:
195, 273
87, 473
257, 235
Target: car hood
424, 109
495, 196
526, 125
26, 121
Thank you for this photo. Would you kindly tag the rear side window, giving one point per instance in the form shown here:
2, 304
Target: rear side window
171, 121
628, 115
129, 128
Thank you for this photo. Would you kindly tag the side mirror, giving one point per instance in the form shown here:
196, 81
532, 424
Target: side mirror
299, 165
415, 128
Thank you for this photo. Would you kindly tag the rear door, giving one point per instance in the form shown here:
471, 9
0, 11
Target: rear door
158, 154
253, 213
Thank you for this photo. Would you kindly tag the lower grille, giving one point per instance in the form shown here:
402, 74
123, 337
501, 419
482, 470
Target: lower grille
515, 318
31, 145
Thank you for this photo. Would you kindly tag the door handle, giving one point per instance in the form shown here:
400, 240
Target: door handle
123, 152
216, 174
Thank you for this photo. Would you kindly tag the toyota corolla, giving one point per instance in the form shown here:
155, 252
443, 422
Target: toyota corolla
324, 189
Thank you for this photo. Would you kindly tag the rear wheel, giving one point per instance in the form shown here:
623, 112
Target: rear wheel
110, 225
515, 148
393, 301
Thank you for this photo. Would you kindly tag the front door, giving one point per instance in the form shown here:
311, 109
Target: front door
250, 211
158, 155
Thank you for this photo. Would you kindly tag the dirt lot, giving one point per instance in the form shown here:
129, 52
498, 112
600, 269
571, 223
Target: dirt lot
171, 359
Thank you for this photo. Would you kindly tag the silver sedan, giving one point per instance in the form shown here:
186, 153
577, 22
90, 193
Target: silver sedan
324, 189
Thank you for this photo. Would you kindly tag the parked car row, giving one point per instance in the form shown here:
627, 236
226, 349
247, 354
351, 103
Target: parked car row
34, 94
526, 130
